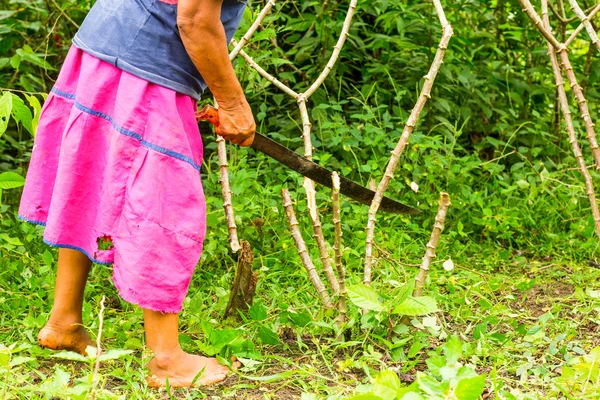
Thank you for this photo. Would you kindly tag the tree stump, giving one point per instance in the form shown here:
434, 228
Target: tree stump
244, 283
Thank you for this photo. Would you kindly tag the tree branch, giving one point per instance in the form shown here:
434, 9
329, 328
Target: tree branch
408, 129
564, 103
302, 251
438, 227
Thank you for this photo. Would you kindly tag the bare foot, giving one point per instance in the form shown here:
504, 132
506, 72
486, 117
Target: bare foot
185, 369
65, 337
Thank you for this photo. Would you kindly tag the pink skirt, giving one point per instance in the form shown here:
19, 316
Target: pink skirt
115, 174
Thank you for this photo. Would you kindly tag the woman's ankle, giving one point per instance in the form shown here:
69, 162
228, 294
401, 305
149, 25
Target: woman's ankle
165, 358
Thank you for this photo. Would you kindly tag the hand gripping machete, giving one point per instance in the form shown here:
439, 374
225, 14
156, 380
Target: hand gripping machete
311, 170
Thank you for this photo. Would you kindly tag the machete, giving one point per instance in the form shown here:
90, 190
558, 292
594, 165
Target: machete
310, 169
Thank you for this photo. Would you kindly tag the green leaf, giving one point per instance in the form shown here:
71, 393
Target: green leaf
11, 180
4, 357
21, 113
429, 385
435, 363
453, 349
5, 109
70, 355
364, 297
300, 319
20, 360
267, 336
386, 385
114, 354
257, 312
365, 396
414, 306
37, 108
6, 14
11, 240
405, 292
48, 258
27, 54
470, 388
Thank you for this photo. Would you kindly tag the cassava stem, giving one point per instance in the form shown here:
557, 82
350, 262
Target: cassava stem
564, 103
438, 227
302, 251
337, 246
408, 129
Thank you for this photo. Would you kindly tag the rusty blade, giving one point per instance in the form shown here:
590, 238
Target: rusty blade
322, 176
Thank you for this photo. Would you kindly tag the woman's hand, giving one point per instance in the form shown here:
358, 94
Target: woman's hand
236, 123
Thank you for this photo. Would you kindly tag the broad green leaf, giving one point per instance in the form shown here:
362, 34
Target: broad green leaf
70, 355
470, 388
11, 240
429, 385
4, 357
114, 354
11, 180
20, 360
405, 292
271, 378
364, 297
435, 363
267, 336
414, 306
5, 109
453, 349
257, 312
27, 54
300, 319
388, 379
48, 258
21, 113
6, 14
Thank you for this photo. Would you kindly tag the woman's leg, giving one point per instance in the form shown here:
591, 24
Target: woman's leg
64, 329
162, 337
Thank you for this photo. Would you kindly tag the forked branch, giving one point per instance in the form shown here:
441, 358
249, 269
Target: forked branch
585, 20
408, 129
564, 104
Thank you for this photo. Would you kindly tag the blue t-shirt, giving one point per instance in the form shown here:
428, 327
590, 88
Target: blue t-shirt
142, 38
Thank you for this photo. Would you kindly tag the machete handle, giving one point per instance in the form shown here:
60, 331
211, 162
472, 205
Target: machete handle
208, 113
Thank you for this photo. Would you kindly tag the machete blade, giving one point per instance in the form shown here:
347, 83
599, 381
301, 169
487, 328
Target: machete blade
322, 176
310, 169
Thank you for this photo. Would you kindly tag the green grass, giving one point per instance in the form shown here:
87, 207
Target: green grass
525, 319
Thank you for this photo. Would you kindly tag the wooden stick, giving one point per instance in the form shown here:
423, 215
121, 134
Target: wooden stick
280, 85
302, 251
234, 242
244, 282
261, 16
585, 20
530, 11
98, 350
408, 129
336, 51
438, 227
337, 247
561, 49
581, 26
222, 146
564, 103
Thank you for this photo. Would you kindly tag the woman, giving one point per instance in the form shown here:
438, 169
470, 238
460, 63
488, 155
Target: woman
114, 174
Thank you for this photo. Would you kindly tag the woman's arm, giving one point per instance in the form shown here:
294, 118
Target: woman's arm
203, 36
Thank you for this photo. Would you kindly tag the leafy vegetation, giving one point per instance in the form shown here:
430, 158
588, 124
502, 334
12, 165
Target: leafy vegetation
515, 314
